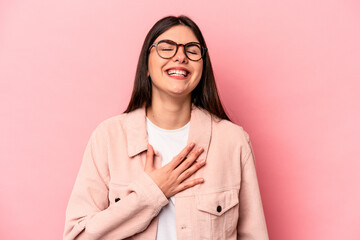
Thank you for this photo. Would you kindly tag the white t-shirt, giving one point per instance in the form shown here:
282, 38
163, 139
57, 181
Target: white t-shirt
168, 143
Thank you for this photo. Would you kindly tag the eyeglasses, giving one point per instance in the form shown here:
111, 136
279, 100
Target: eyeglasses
167, 49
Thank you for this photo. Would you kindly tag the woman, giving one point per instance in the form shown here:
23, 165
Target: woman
172, 166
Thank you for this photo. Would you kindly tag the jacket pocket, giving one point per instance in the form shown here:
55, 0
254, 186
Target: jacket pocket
217, 213
117, 192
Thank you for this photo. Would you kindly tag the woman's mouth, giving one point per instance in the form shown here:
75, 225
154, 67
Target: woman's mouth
177, 73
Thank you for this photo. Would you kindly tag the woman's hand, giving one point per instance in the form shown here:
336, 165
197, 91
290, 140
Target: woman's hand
171, 177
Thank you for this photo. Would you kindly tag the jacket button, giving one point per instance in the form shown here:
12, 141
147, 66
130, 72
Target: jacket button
117, 199
218, 209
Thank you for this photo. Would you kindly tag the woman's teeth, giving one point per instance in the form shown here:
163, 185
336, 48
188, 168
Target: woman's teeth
177, 73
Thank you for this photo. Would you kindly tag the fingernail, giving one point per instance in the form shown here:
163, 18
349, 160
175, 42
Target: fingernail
192, 144
202, 162
201, 180
200, 149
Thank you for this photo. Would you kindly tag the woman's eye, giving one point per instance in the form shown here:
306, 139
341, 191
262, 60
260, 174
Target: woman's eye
191, 52
167, 49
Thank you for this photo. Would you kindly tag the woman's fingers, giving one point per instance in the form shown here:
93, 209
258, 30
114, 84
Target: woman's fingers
184, 165
191, 170
189, 184
181, 156
149, 164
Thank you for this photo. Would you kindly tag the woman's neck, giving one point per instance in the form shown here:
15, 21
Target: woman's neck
170, 114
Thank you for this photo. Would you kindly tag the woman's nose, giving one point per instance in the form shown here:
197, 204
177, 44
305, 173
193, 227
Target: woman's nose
180, 55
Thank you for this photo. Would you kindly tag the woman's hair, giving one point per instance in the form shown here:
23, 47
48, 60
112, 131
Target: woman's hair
205, 94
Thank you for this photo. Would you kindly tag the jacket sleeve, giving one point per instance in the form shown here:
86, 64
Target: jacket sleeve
89, 214
251, 225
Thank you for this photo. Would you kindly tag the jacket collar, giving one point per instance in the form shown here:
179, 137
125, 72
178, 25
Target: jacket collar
136, 134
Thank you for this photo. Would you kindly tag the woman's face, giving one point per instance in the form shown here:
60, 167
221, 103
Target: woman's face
165, 80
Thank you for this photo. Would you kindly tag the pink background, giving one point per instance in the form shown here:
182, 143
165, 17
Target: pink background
287, 71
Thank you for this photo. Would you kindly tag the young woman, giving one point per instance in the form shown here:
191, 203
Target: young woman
172, 166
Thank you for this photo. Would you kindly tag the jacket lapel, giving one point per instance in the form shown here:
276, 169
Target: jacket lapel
200, 130
136, 134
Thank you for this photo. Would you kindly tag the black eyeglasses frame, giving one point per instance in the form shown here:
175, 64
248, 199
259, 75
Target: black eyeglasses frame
203, 49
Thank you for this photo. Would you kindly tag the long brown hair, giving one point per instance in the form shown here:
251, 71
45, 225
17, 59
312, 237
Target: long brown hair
205, 95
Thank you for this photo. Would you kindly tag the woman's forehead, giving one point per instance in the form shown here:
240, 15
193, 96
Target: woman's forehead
180, 34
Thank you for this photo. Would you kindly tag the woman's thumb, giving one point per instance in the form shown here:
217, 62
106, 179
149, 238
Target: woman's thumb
149, 164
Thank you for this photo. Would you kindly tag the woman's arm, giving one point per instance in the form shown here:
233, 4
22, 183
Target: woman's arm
88, 214
251, 225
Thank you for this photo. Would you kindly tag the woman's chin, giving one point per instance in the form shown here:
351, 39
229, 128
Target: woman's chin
177, 93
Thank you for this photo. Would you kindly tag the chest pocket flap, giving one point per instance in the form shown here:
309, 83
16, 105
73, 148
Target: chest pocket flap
217, 203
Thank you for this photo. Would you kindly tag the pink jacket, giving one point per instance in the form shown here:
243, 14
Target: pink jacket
113, 198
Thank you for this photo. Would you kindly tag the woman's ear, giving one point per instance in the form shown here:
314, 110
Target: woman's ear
147, 74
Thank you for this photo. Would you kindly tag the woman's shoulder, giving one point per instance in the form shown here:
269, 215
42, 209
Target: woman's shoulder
231, 136
120, 122
229, 127
222, 127
113, 120
110, 125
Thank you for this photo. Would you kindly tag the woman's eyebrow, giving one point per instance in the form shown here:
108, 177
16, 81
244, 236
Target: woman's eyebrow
165, 39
